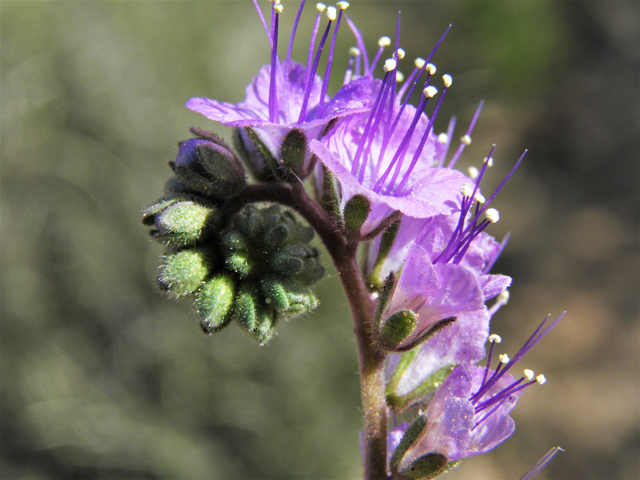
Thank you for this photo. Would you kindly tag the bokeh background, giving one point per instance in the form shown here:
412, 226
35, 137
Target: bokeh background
104, 378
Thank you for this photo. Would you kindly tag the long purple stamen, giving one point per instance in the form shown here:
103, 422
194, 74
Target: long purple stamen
312, 74
264, 22
361, 46
541, 463
466, 139
327, 74
503, 244
450, 129
293, 34
273, 89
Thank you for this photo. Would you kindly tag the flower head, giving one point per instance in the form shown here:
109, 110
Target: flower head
469, 413
284, 97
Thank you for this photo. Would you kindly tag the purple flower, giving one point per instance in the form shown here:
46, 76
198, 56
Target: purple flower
286, 96
469, 413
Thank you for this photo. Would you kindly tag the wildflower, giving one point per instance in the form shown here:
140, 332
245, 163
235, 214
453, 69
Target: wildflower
287, 104
468, 415
389, 154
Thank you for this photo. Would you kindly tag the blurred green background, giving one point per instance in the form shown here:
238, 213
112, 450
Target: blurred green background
104, 378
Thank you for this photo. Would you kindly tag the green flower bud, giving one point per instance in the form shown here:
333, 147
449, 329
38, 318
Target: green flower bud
240, 263
356, 212
410, 436
427, 466
149, 213
183, 272
183, 223
254, 314
214, 303
293, 153
396, 329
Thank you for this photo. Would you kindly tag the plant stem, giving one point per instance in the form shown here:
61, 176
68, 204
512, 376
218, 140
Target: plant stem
362, 305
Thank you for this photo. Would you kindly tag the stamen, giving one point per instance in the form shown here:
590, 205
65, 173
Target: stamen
466, 138
541, 379
361, 46
541, 463
264, 22
447, 80
382, 43
450, 129
501, 299
478, 197
293, 34
331, 13
389, 65
342, 5
504, 358
430, 91
473, 172
400, 53
492, 215
273, 87
489, 266
399, 76
327, 73
432, 68
529, 374
493, 338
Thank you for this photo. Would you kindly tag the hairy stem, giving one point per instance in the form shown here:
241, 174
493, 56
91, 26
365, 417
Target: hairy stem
361, 303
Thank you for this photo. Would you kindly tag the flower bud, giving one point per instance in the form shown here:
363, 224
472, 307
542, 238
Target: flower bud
182, 223
410, 436
254, 314
430, 465
214, 303
356, 212
183, 272
293, 153
396, 329
209, 168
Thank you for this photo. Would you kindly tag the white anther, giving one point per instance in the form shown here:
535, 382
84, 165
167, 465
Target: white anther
342, 5
504, 358
446, 78
431, 68
478, 197
419, 62
492, 215
541, 379
503, 297
529, 374
466, 140
332, 13
389, 65
321, 7
430, 91
384, 42
493, 338
267, 301
466, 190
276, 2
399, 76
489, 161
278, 8
473, 172
400, 53
443, 138
354, 52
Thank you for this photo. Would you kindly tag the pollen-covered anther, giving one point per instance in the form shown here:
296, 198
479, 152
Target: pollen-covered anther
332, 13
466, 140
399, 76
342, 5
419, 62
489, 161
493, 338
278, 8
389, 65
492, 215
430, 91
473, 172
466, 190
529, 374
478, 197
541, 379
354, 52
504, 358
446, 78
321, 7
443, 138
431, 68
400, 53
384, 42
503, 297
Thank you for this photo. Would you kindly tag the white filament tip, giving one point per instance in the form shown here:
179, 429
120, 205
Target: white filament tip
430, 91
342, 5
321, 7
400, 53
431, 68
354, 51
479, 198
529, 374
493, 338
466, 190
389, 65
332, 13
473, 172
419, 62
466, 140
504, 297
492, 215
399, 76
504, 358
443, 138
541, 379
384, 42
489, 161
447, 80
278, 8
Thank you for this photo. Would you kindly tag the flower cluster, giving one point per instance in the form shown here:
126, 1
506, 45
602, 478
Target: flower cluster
380, 178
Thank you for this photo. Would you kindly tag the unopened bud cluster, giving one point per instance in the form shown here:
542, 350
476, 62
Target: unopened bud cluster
253, 267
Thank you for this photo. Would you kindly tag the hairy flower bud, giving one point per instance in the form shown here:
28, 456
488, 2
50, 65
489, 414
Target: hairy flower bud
183, 272
214, 303
182, 223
